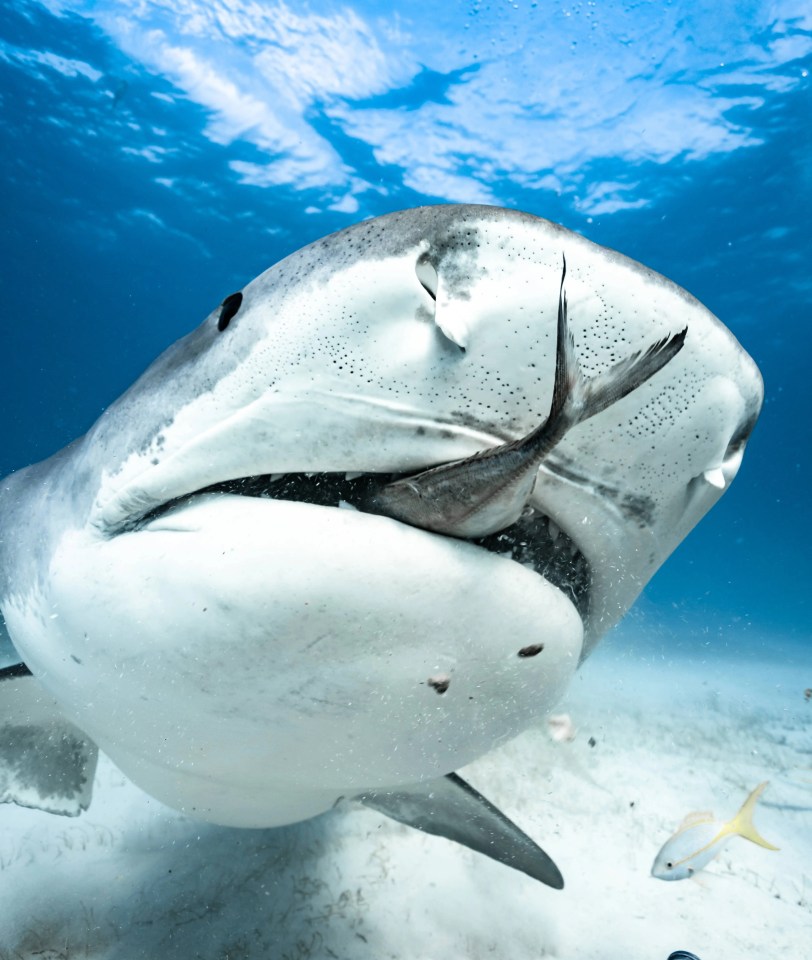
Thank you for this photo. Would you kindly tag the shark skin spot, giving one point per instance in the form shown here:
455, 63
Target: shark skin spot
440, 683
532, 650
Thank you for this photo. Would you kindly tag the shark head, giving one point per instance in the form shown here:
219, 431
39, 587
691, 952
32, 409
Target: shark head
424, 337
198, 581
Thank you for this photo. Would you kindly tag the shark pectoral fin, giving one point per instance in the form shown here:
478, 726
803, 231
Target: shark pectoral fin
451, 808
45, 761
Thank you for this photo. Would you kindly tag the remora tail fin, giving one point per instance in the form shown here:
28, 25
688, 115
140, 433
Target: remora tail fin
577, 398
451, 808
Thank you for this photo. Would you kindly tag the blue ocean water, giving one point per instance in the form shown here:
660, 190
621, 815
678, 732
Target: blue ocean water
158, 154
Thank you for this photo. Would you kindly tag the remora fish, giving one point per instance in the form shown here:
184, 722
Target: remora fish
488, 492
701, 837
187, 595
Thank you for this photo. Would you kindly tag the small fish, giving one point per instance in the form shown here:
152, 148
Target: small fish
488, 491
701, 837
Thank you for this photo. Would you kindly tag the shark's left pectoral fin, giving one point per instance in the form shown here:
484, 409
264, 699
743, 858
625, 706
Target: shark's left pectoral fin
449, 807
45, 761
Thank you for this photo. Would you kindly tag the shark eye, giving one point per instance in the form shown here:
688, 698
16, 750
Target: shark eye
670, 865
427, 276
228, 310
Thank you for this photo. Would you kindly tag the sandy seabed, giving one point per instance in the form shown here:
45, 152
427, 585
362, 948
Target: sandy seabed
656, 738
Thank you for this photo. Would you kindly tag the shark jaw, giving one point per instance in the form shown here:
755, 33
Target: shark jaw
201, 604
534, 540
254, 659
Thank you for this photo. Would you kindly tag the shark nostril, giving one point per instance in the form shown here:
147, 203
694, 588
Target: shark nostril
427, 276
440, 683
450, 323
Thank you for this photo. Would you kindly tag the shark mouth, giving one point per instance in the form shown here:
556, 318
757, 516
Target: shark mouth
486, 499
534, 540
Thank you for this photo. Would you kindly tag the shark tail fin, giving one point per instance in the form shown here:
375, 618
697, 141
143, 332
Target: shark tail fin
742, 824
577, 398
451, 808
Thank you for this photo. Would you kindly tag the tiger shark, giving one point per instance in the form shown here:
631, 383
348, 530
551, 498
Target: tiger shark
362, 525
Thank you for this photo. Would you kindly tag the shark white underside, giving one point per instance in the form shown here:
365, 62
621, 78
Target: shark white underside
252, 659
344, 701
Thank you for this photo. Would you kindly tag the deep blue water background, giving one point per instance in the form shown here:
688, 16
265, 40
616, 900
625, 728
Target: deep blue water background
157, 157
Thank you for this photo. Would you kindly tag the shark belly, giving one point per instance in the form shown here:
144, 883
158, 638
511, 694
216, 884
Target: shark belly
249, 660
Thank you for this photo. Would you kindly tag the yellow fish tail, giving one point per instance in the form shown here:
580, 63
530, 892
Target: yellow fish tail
742, 824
